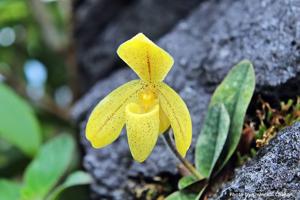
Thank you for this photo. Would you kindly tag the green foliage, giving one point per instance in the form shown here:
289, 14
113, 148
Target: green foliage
185, 194
222, 128
74, 179
19, 125
12, 11
48, 167
235, 92
180, 195
20, 131
212, 138
186, 181
45, 171
9, 190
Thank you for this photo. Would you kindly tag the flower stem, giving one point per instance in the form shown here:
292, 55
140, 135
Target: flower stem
169, 142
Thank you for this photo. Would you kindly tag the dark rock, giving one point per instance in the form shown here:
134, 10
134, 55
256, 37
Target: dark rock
273, 174
217, 35
89, 10
265, 32
96, 52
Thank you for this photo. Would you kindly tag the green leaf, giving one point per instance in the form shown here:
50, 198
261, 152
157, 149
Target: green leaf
48, 167
212, 138
9, 190
186, 181
75, 179
181, 195
235, 92
189, 188
12, 12
201, 192
19, 125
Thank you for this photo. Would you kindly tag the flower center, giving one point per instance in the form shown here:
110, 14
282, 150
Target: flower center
148, 99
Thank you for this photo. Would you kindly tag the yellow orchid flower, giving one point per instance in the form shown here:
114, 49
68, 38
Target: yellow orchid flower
147, 106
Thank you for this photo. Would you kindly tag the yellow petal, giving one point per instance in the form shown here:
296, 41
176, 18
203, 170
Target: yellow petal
108, 117
149, 61
164, 121
142, 130
179, 116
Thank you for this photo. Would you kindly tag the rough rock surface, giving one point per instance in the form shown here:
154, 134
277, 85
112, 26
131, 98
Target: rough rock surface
273, 174
97, 47
205, 46
86, 10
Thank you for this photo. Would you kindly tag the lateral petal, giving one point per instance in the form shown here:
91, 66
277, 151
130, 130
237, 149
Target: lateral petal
142, 130
108, 117
149, 61
163, 121
179, 116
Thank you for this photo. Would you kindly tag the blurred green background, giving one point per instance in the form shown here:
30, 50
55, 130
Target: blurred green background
39, 155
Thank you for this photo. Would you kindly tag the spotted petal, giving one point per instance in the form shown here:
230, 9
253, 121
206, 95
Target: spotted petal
179, 116
108, 118
142, 130
149, 61
164, 121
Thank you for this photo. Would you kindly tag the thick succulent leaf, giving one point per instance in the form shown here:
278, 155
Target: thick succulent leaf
149, 61
48, 167
9, 190
142, 130
178, 115
212, 138
75, 179
235, 92
186, 181
181, 195
192, 185
26, 135
190, 188
108, 117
